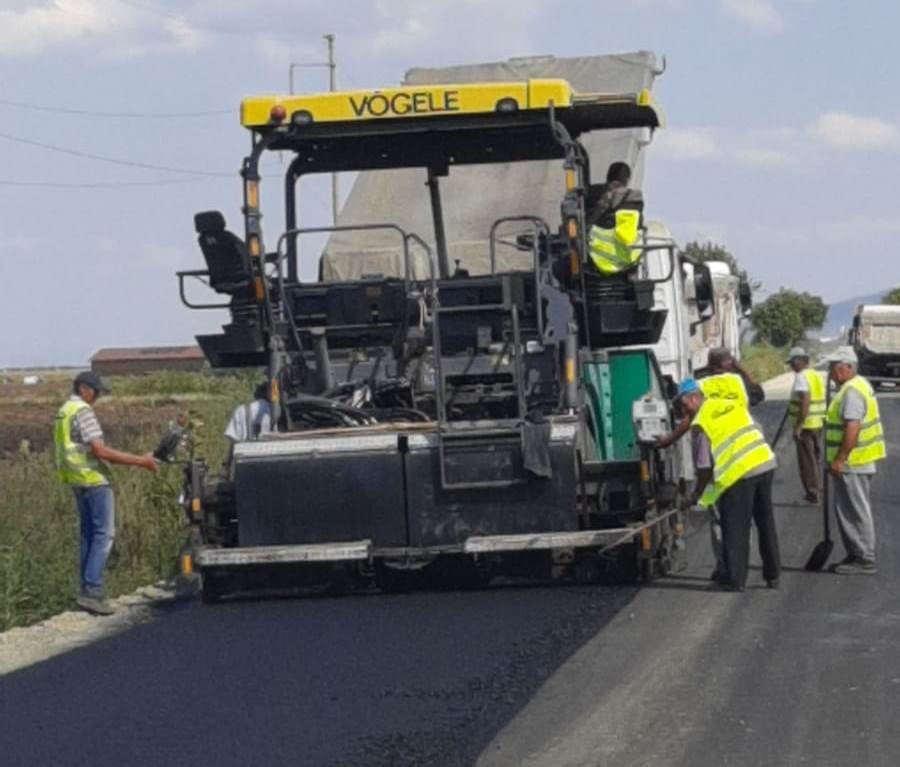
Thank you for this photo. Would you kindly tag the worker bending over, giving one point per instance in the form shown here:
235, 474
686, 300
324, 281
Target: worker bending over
807, 413
854, 443
730, 382
735, 466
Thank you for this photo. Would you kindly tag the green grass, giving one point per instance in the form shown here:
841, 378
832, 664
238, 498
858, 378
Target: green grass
38, 521
175, 383
764, 361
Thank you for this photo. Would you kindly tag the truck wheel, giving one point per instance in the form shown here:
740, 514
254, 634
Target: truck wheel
214, 587
587, 570
665, 554
623, 564
647, 558
397, 581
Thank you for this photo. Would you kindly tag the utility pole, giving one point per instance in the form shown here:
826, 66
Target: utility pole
332, 86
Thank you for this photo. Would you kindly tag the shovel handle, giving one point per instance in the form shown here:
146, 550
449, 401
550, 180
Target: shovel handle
781, 426
826, 473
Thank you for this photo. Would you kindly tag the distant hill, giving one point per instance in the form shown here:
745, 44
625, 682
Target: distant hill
840, 315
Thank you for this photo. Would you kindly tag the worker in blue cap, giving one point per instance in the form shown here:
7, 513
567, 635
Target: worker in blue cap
735, 466
703, 461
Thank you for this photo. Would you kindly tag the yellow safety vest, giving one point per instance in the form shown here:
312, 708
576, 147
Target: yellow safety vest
725, 386
75, 463
611, 249
815, 417
737, 443
870, 445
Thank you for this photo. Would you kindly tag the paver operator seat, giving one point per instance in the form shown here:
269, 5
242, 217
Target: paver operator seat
225, 253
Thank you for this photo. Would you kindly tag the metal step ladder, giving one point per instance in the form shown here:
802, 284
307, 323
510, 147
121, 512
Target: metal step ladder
455, 439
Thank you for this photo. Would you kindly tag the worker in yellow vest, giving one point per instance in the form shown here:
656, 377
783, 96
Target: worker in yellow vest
614, 213
735, 466
727, 380
806, 410
854, 443
82, 462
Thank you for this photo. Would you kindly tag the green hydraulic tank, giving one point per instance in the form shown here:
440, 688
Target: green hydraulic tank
613, 381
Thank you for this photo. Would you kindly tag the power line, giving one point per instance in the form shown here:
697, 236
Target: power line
20, 183
97, 184
113, 160
99, 113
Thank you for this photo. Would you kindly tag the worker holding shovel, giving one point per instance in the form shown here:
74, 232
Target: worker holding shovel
854, 443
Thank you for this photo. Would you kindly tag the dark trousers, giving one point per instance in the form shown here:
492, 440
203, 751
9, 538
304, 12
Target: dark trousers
809, 459
749, 499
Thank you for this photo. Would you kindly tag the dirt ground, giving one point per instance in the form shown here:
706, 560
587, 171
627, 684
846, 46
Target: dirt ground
27, 413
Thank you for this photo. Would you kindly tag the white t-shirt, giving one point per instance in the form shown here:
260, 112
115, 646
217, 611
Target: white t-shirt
249, 421
801, 385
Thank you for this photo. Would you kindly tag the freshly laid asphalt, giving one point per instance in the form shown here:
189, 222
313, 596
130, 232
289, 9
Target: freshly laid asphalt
669, 674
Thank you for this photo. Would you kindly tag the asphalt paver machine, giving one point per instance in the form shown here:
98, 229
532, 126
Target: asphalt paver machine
435, 417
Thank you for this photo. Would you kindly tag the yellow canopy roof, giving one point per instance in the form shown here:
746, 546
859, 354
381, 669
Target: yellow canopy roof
405, 102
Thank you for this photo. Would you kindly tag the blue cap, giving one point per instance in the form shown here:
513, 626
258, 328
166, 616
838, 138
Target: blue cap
89, 378
688, 386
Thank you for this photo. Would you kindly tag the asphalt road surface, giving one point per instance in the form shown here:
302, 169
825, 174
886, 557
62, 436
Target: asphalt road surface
669, 674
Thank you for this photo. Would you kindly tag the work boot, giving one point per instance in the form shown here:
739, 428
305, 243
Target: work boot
848, 560
811, 498
856, 567
772, 584
94, 605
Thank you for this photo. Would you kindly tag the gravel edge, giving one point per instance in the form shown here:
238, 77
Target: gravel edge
27, 645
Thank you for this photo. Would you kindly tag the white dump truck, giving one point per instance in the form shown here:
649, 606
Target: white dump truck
720, 326
875, 336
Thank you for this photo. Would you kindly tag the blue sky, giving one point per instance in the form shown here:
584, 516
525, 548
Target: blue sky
783, 135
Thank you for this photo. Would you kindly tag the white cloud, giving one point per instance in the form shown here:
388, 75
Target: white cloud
408, 35
449, 30
661, 5
185, 37
760, 15
687, 144
755, 149
842, 130
762, 157
33, 28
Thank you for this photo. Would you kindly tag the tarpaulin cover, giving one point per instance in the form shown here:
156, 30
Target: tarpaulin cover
879, 329
475, 196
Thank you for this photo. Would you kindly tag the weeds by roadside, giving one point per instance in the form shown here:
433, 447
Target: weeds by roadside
38, 522
764, 361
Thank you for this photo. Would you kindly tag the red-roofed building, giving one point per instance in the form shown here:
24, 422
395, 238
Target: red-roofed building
147, 359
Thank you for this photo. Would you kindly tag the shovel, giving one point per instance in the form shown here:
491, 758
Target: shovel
823, 549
